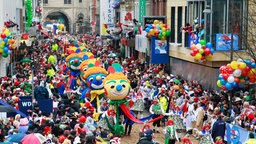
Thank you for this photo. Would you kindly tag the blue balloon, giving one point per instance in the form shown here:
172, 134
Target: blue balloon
6, 49
246, 78
228, 86
248, 62
6, 40
9, 51
76, 45
212, 51
223, 82
234, 85
147, 29
253, 65
209, 45
220, 77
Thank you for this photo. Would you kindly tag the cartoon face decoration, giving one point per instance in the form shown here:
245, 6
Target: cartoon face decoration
117, 89
74, 63
95, 81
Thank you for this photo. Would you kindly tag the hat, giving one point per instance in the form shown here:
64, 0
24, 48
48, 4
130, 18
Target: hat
238, 99
23, 122
170, 122
155, 101
206, 127
196, 99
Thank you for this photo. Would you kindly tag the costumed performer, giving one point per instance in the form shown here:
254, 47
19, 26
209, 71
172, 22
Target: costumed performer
170, 133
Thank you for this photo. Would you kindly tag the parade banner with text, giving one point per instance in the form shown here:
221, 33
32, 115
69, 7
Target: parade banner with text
159, 51
106, 15
142, 10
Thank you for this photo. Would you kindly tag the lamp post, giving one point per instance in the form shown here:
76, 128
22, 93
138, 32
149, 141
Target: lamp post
206, 12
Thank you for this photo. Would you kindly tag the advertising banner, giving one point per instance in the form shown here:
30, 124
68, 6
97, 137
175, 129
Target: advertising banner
159, 51
223, 42
142, 10
25, 104
106, 15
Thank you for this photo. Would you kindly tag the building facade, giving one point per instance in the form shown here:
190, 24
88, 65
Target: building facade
74, 14
10, 10
212, 18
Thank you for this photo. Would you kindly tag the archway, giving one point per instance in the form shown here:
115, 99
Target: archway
57, 17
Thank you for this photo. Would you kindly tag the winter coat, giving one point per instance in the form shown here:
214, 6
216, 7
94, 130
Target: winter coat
218, 129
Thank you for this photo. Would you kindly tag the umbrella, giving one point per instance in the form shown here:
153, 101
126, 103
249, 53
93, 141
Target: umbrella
112, 55
36, 138
15, 137
26, 60
176, 81
6, 109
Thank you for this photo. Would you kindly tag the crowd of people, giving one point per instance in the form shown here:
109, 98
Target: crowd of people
185, 105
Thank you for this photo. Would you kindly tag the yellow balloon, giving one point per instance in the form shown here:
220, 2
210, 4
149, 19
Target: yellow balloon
1, 50
7, 33
234, 64
208, 57
156, 22
198, 56
242, 65
242, 80
219, 84
163, 38
163, 29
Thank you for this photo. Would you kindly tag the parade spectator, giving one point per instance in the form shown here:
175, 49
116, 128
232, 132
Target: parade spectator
251, 139
218, 128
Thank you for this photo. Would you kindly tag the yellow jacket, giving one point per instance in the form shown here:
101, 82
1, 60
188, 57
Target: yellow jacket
250, 141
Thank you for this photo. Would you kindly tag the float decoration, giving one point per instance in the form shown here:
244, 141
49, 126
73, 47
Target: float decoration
73, 64
158, 29
7, 43
93, 75
116, 4
117, 87
202, 51
235, 72
29, 13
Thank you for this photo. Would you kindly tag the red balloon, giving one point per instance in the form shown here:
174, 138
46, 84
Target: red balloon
222, 69
3, 35
250, 115
223, 87
196, 51
225, 76
82, 119
204, 47
230, 70
244, 72
165, 25
247, 69
252, 80
207, 51
192, 53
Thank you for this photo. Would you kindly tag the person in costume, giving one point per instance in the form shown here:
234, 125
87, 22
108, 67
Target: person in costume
186, 140
93, 77
117, 87
170, 133
205, 135
157, 110
138, 106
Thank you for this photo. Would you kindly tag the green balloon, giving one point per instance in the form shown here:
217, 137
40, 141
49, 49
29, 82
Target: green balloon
160, 35
201, 51
4, 54
168, 33
203, 42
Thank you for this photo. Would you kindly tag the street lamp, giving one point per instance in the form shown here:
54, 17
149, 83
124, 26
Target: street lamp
206, 12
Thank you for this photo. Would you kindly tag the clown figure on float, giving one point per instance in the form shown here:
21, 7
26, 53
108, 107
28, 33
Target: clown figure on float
117, 87
93, 75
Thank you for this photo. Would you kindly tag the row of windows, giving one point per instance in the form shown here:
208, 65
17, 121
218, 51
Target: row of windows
65, 1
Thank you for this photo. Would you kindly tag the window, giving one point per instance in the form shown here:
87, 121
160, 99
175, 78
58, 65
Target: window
179, 23
67, 1
80, 1
172, 24
45, 1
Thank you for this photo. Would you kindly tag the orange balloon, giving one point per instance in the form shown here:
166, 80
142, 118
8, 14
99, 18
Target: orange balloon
228, 66
193, 46
156, 31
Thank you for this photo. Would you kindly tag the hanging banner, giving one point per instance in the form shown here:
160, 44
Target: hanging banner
142, 10
223, 42
106, 15
159, 51
235, 134
141, 43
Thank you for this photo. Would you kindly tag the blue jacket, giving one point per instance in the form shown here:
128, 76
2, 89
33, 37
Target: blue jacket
218, 129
